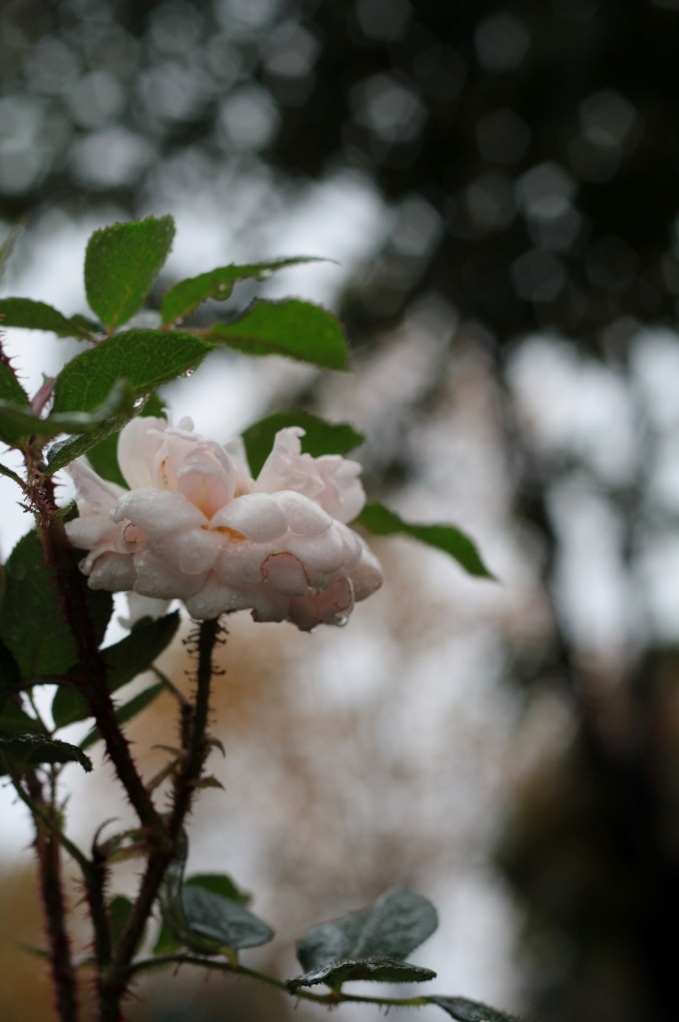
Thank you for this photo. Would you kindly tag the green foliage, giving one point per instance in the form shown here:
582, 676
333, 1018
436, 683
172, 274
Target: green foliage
18, 421
21, 752
292, 328
321, 437
119, 909
24, 312
373, 967
31, 623
187, 295
380, 521
121, 264
371, 943
103, 457
471, 1011
10, 673
203, 919
10, 388
127, 711
145, 358
14, 718
124, 661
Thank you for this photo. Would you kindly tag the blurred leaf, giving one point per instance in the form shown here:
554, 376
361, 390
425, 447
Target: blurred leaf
31, 622
121, 264
124, 661
137, 651
7, 246
127, 711
23, 752
119, 908
471, 1011
292, 328
321, 437
221, 884
24, 312
145, 358
18, 420
371, 938
14, 718
375, 968
10, 673
187, 295
103, 457
203, 920
380, 521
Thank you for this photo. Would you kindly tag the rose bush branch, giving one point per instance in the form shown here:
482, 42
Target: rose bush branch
264, 523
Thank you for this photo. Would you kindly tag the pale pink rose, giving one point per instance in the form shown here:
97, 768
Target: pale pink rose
195, 526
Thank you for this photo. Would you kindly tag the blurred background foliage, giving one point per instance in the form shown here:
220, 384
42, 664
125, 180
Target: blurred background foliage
513, 318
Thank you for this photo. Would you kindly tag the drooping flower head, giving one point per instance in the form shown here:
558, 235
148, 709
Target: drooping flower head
195, 526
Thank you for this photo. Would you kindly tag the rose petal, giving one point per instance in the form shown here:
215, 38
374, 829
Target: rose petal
285, 574
158, 511
99, 495
304, 516
138, 445
114, 572
258, 516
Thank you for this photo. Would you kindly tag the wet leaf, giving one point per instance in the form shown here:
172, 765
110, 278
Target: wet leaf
121, 264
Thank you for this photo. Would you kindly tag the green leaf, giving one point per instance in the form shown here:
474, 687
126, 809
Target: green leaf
103, 457
389, 929
31, 622
145, 358
127, 711
119, 908
10, 674
292, 328
320, 438
379, 520
24, 312
23, 752
10, 388
17, 420
471, 1011
187, 295
14, 718
375, 968
124, 661
221, 884
203, 920
121, 264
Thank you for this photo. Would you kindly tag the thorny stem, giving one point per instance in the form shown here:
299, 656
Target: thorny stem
330, 999
160, 857
52, 891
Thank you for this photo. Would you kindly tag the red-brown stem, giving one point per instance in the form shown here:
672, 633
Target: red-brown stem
54, 902
160, 858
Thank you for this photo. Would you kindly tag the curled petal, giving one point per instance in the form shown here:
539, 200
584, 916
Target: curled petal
325, 552
98, 494
193, 551
114, 572
206, 482
161, 581
158, 511
304, 516
257, 516
285, 574
331, 607
138, 446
